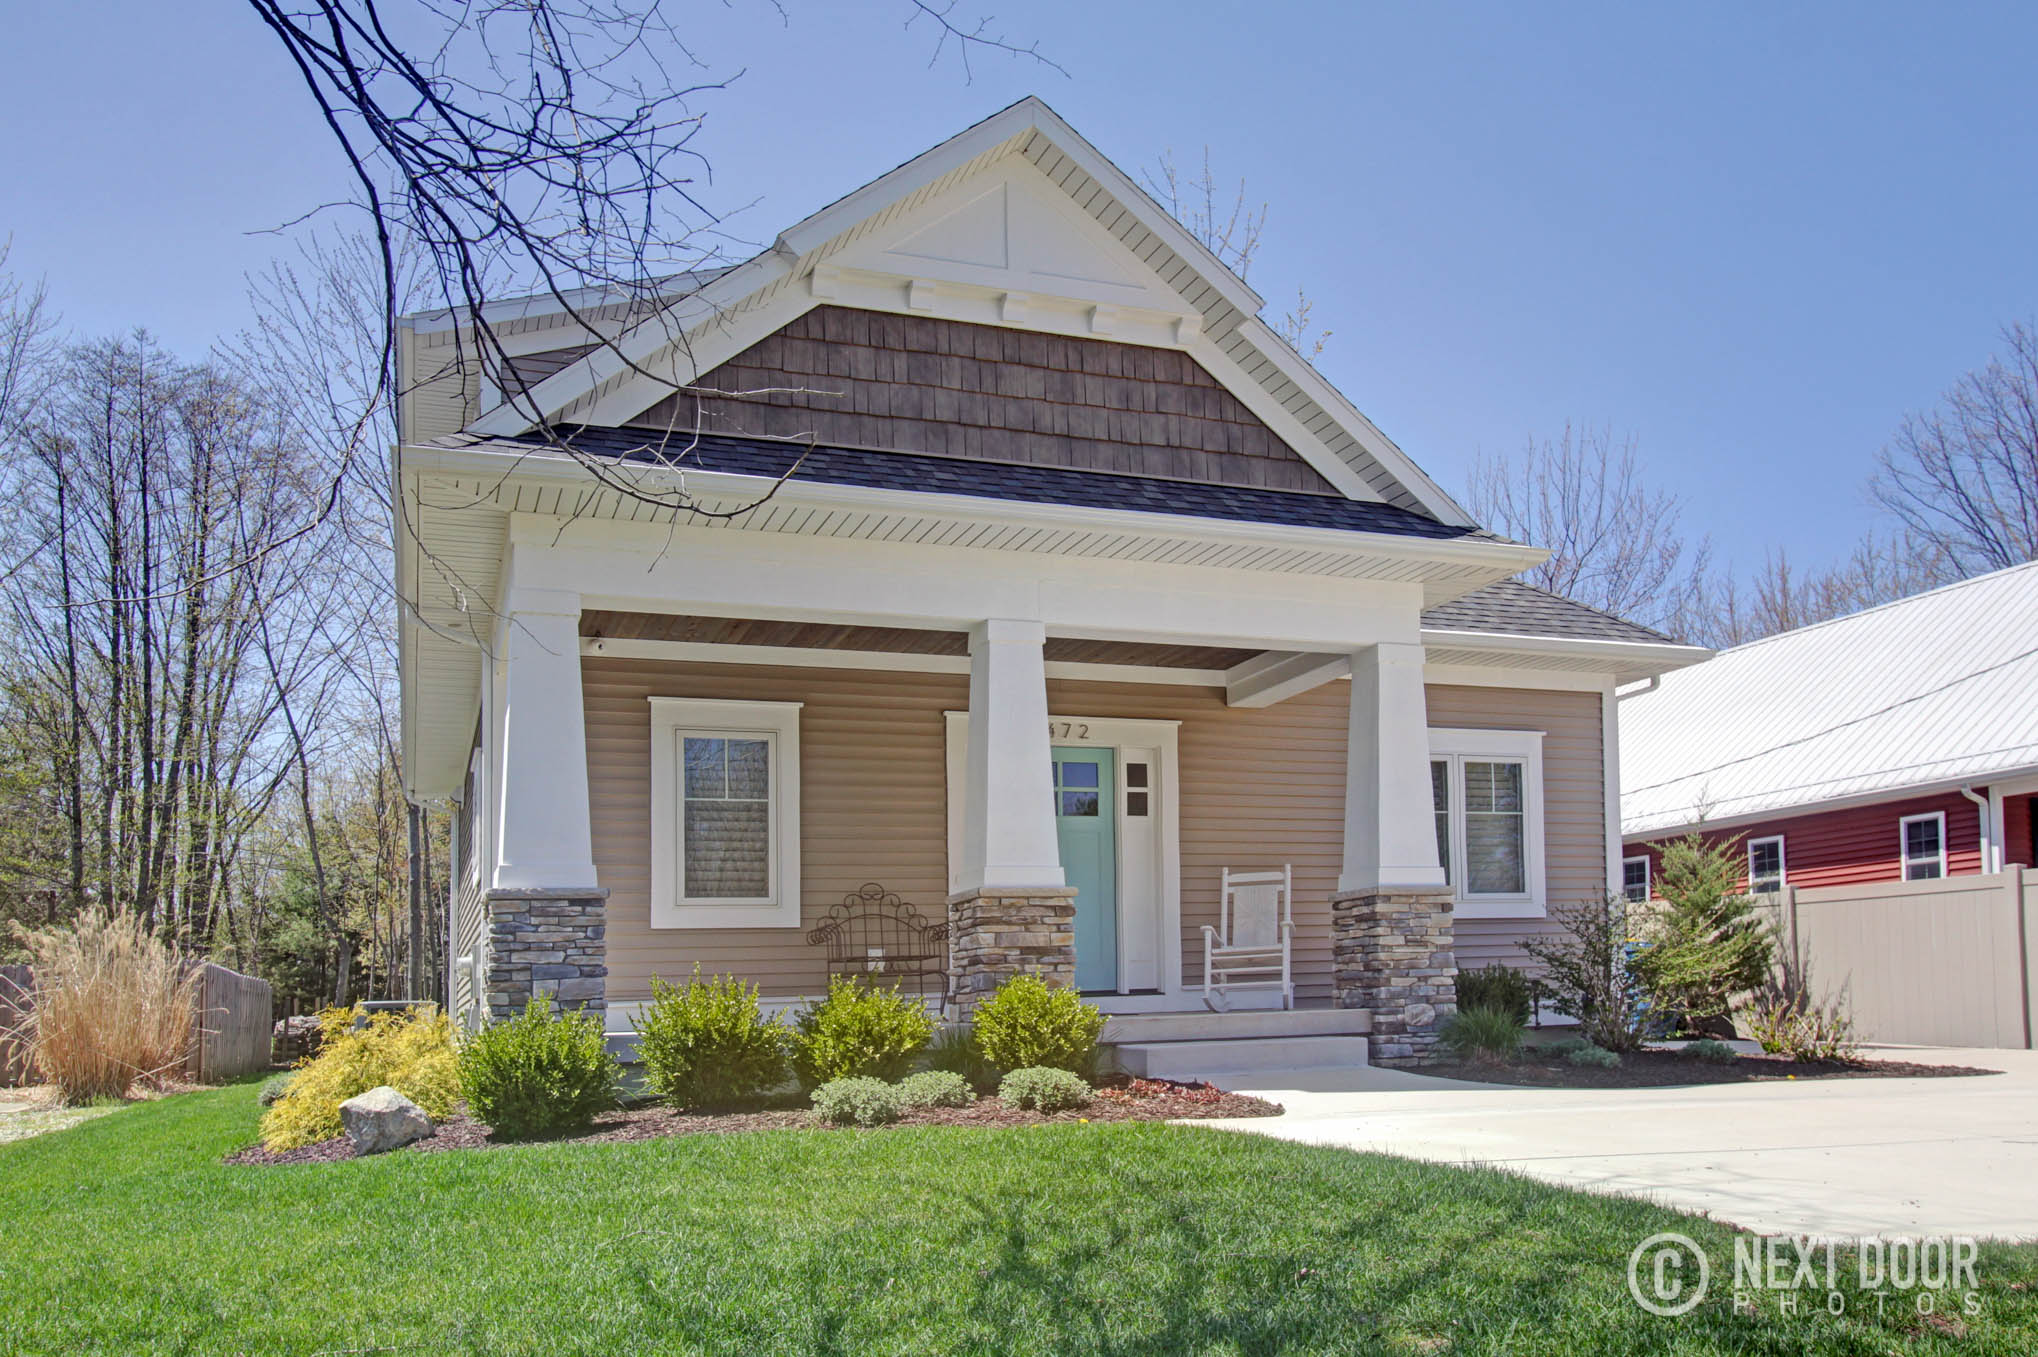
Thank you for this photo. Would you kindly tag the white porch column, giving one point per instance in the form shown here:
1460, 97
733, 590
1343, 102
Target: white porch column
545, 843
1008, 837
1390, 827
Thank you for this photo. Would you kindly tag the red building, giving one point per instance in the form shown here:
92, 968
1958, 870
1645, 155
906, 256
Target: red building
1899, 743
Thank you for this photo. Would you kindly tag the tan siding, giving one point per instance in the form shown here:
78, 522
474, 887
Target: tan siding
1574, 802
872, 767
1259, 786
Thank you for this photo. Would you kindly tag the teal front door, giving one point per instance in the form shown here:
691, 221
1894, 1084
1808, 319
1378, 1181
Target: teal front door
1085, 821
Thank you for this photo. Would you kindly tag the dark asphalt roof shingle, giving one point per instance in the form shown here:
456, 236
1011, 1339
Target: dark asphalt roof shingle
1023, 482
1513, 608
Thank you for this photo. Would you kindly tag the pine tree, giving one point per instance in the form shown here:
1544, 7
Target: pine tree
1710, 944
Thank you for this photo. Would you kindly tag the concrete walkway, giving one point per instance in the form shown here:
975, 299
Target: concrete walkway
1837, 1157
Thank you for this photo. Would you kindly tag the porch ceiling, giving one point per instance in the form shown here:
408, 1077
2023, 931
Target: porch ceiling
889, 640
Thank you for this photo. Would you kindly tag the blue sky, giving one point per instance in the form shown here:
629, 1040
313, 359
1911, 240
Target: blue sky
1752, 236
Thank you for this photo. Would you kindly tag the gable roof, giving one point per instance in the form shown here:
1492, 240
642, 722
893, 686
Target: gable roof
1930, 691
1513, 608
1215, 314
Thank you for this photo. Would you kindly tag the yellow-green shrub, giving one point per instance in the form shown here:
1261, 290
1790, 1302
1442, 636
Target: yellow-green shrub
412, 1053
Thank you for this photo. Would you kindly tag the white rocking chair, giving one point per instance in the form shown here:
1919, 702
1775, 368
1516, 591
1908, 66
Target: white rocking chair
1254, 936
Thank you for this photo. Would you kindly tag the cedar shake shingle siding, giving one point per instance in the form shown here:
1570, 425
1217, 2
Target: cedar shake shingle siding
915, 384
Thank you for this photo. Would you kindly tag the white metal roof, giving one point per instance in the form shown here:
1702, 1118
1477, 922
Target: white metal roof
1940, 689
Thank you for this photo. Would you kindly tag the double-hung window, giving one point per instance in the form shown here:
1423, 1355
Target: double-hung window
1923, 844
1634, 879
725, 814
1486, 795
1765, 865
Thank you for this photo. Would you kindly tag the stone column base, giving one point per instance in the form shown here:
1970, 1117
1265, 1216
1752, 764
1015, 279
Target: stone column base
1391, 953
547, 942
996, 933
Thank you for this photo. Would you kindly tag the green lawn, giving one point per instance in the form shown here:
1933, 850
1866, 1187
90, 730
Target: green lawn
128, 1235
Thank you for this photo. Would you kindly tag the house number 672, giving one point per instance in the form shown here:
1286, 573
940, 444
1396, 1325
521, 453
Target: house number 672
1068, 730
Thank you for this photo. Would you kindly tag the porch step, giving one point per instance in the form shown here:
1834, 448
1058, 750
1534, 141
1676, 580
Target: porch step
1237, 1025
1222, 1060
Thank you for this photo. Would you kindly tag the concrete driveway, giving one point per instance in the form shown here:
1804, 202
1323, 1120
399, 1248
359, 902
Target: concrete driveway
1838, 1157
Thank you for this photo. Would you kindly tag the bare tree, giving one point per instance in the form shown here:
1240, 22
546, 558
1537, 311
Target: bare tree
1963, 478
1780, 596
1614, 543
1226, 221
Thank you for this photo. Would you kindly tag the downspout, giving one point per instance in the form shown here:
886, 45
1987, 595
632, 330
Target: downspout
1989, 847
1650, 685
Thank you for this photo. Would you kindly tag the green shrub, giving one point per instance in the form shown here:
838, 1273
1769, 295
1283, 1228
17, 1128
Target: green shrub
706, 1044
936, 1088
1715, 1052
1589, 971
1483, 1034
859, 1030
410, 1052
858, 1100
1028, 1023
1498, 988
955, 1050
1563, 1046
1043, 1088
273, 1088
1596, 1057
539, 1073
1710, 944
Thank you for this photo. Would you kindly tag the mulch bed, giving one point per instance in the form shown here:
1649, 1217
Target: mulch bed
1118, 1099
1666, 1069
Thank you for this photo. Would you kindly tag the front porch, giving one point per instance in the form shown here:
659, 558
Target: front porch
1065, 817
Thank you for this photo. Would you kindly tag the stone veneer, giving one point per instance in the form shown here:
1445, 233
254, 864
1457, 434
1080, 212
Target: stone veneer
995, 934
547, 942
1391, 953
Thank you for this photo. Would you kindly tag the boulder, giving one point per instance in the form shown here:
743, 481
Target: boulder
383, 1119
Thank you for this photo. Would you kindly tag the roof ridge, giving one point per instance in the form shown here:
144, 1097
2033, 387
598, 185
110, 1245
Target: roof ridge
1918, 597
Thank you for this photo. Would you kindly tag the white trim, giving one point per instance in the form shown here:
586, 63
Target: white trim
1454, 745
780, 722
1782, 863
1162, 737
1903, 852
1668, 654
1609, 777
1648, 878
903, 662
1503, 676
1878, 796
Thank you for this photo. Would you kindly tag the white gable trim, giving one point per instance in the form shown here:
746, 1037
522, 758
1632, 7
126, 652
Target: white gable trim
726, 316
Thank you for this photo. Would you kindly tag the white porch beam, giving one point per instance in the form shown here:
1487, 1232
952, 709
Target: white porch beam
1278, 675
1008, 837
545, 840
1390, 829
720, 572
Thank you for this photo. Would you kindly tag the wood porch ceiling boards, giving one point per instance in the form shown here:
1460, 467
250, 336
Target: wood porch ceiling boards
744, 631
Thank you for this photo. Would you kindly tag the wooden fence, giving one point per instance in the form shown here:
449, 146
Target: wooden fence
232, 1037
235, 1016
1927, 963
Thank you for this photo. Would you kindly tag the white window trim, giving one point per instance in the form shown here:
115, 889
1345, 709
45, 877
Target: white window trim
1903, 847
1648, 876
1782, 863
1525, 746
780, 721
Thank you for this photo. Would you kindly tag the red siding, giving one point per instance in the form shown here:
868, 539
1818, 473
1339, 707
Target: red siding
2020, 819
1858, 845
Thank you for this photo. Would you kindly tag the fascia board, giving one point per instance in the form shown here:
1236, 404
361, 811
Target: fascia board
1649, 832
1668, 655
